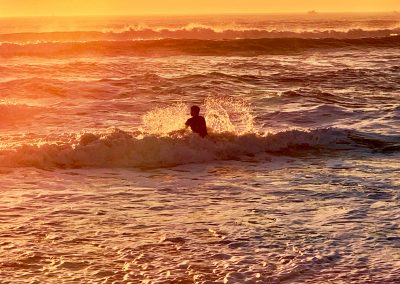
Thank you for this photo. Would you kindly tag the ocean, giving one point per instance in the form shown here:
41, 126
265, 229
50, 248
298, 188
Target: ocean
298, 180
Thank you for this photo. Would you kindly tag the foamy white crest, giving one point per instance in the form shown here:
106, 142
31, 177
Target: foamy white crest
121, 149
215, 28
234, 27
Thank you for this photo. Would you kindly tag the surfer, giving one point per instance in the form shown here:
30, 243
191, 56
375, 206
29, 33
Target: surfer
197, 123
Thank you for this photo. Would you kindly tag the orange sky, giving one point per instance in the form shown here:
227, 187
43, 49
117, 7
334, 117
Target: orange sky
9, 8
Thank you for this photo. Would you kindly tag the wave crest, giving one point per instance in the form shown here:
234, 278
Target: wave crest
122, 149
193, 31
171, 47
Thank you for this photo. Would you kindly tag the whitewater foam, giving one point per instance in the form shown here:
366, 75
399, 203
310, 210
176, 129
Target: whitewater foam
122, 149
193, 31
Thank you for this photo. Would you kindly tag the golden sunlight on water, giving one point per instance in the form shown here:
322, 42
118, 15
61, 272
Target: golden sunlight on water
164, 120
120, 226
129, 7
297, 181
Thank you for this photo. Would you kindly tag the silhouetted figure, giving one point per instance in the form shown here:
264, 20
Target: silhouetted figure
197, 123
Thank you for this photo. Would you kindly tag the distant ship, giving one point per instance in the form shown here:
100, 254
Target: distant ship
312, 12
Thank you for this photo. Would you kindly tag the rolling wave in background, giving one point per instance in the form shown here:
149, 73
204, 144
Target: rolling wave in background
190, 32
231, 35
173, 47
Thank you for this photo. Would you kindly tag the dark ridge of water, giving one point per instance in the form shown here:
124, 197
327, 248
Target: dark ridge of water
169, 47
205, 33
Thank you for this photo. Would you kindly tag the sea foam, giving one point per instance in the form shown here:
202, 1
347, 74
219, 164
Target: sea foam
122, 149
163, 142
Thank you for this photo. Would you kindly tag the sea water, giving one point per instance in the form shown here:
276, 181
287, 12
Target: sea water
297, 182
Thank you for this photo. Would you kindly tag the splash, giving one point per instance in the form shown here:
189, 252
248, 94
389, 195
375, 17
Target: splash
225, 114
222, 114
164, 120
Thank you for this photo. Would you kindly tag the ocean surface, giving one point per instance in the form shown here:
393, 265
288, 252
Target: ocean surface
297, 182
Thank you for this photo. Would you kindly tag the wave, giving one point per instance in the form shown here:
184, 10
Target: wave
12, 114
42, 88
121, 149
169, 47
192, 31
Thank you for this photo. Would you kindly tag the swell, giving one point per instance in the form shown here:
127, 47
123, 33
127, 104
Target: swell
167, 47
121, 149
11, 114
195, 32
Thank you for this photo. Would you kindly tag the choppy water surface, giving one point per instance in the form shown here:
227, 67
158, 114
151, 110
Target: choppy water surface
298, 181
296, 221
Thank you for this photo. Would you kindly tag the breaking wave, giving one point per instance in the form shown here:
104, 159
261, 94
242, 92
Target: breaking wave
122, 149
170, 47
161, 141
193, 31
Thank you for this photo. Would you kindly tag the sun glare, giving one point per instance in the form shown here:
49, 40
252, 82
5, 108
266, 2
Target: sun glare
9, 8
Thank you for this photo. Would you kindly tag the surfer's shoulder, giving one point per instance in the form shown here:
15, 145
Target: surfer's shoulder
189, 121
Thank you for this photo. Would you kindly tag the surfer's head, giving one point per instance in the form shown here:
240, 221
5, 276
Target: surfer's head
194, 111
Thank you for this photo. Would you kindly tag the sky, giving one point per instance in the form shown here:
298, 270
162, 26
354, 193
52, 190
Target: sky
11, 8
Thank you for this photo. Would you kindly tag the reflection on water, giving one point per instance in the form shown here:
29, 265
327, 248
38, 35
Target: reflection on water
297, 182
223, 223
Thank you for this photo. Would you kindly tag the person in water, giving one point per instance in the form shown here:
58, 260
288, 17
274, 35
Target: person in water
197, 123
